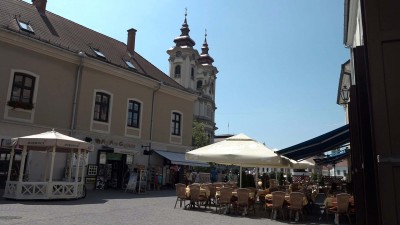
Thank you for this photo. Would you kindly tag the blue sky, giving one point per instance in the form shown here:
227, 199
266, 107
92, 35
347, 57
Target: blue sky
279, 61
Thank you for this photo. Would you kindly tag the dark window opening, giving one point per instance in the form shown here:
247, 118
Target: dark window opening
176, 124
199, 84
22, 91
177, 71
133, 114
101, 107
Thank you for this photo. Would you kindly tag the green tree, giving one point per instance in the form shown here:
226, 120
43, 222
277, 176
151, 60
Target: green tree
199, 138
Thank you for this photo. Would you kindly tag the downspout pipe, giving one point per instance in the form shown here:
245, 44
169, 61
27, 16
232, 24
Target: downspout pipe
151, 119
77, 84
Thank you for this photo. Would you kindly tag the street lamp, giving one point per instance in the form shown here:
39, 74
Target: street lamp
345, 94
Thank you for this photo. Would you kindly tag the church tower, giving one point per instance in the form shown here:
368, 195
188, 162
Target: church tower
195, 72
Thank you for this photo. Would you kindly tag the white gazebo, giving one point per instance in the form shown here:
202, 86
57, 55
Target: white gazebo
54, 143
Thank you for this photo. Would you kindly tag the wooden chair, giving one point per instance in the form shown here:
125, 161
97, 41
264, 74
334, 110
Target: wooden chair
342, 207
180, 194
294, 187
207, 186
296, 204
244, 201
252, 201
195, 198
213, 192
278, 197
224, 198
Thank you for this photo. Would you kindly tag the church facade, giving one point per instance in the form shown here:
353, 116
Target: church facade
195, 71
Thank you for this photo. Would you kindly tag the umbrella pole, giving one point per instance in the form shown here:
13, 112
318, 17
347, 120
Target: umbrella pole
240, 176
256, 178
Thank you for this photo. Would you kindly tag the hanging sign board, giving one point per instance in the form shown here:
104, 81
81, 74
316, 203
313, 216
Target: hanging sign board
114, 156
125, 151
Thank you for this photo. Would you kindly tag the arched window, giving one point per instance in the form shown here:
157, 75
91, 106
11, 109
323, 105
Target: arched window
199, 84
192, 73
177, 71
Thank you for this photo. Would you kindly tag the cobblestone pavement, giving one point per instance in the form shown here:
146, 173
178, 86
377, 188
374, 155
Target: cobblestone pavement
117, 207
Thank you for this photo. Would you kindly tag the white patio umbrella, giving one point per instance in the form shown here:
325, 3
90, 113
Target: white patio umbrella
51, 139
238, 150
303, 164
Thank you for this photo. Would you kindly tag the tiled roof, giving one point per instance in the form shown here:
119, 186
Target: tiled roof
63, 33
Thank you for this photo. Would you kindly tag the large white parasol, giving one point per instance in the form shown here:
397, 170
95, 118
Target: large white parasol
239, 150
52, 138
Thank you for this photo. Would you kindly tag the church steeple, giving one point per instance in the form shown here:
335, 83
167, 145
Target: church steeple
205, 58
184, 39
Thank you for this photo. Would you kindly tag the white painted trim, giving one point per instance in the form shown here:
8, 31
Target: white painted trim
35, 91
140, 119
109, 114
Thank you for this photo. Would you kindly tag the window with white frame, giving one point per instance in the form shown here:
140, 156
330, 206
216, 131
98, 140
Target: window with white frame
101, 107
133, 114
176, 124
22, 91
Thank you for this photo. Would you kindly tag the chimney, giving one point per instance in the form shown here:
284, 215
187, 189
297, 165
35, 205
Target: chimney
131, 41
40, 5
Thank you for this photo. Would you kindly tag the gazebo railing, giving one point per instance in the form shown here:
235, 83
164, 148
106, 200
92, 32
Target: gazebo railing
43, 190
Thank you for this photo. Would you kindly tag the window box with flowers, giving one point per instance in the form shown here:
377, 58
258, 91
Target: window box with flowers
20, 105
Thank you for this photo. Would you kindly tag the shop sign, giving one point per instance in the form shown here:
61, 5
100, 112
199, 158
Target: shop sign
114, 143
114, 156
125, 151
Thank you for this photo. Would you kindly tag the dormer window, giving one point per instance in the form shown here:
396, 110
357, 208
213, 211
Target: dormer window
25, 26
130, 65
177, 72
99, 53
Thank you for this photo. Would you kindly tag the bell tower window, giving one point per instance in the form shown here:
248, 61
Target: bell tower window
199, 84
177, 72
192, 74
